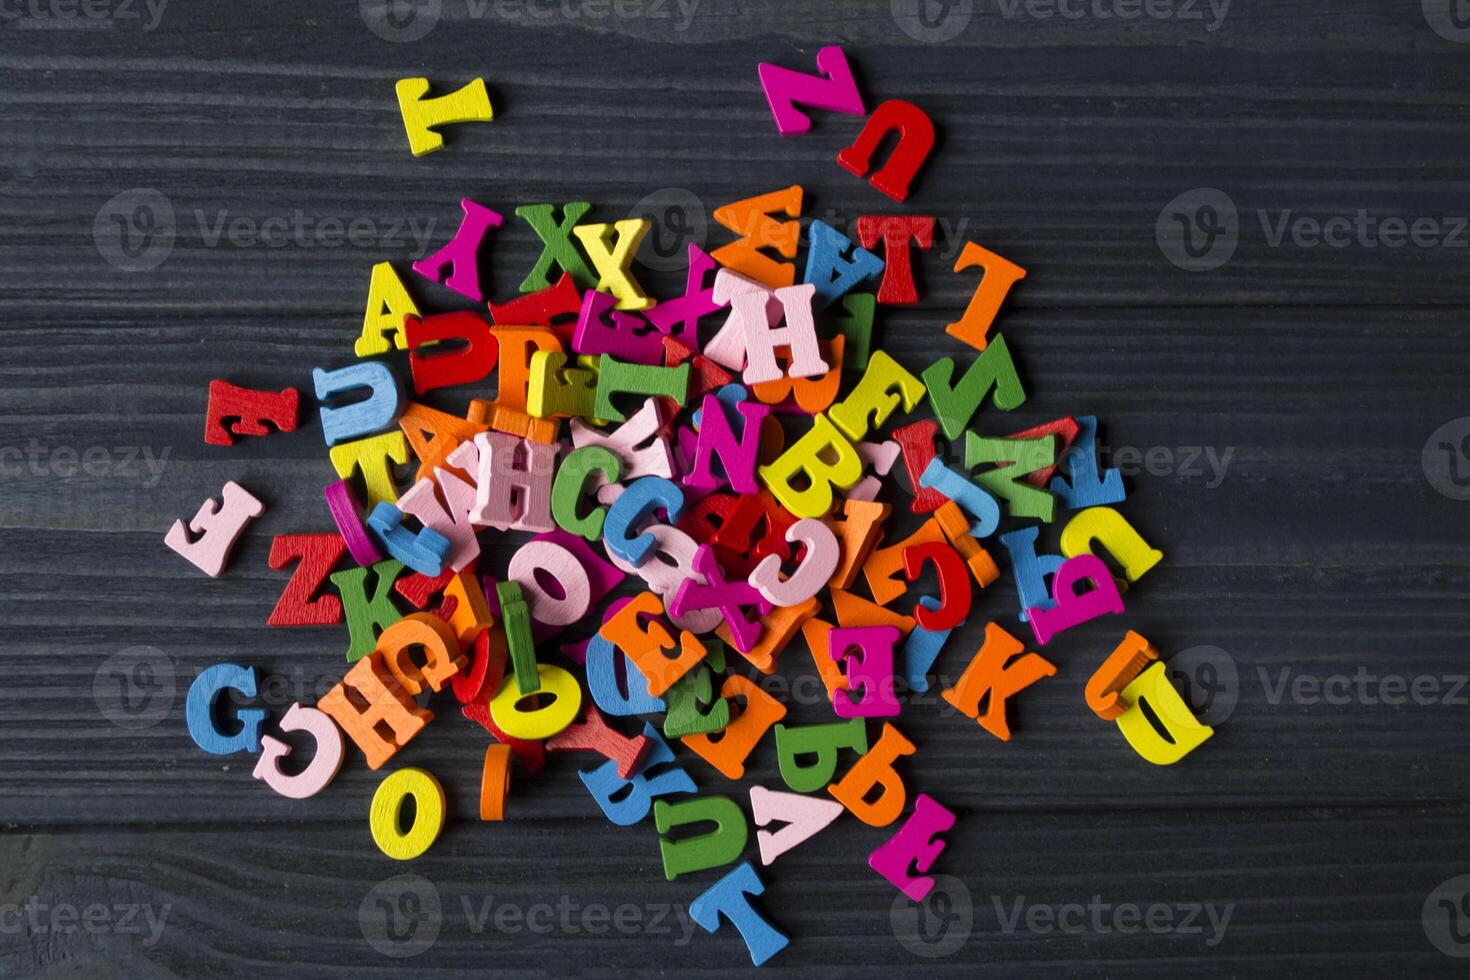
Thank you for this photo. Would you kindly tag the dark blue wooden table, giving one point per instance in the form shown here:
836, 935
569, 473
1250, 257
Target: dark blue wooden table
193, 190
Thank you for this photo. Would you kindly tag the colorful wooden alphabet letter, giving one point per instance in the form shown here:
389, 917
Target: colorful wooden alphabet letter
810, 577
730, 598
1072, 607
799, 335
432, 368
867, 652
1106, 527
299, 604
1181, 732
993, 677
954, 405
457, 264
1084, 485
954, 584
829, 271
557, 248
399, 843
1125, 663
717, 438
884, 386
785, 89
424, 552
558, 701
210, 535
915, 139
611, 247
513, 487
730, 897
362, 418
324, 763
998, 275
728, 749
897, 232
388, 717
802, 817
914, 845
796, 744
388, 303
627, 800
825, 458
235, 411
421, 116
875, 770
719, 846
199, 710
751, 220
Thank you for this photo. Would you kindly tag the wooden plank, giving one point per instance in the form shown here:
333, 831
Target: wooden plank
1303, 538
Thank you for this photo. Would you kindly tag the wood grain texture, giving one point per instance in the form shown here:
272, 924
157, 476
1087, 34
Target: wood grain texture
1320, 549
